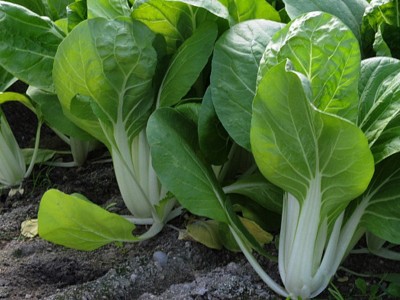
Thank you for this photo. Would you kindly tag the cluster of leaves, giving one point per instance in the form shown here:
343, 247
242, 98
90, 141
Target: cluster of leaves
253, 116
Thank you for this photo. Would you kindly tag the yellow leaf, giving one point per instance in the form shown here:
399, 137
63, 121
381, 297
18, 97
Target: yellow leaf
29, 228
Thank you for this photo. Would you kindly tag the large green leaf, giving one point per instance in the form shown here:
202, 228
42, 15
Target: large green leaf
111, 64
176, 159
213, 6
175, 21
322, 48
240, 11
380, 104
382, 216
349, 11
29, 43
109, 9
75, 222
54, 9
317, 157
234, 70
187, 64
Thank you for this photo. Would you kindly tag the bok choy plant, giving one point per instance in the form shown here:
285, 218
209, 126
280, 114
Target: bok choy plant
312, 133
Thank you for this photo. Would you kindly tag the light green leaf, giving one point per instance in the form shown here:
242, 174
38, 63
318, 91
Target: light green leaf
108, 9
213, 6
21, 98
379, 101
29, 43
111, 64
175, 152
323, 49
12, 163
70, 221
173, 20
235, 63
187, 64
240, 11
308, 153
349, 11
382, 216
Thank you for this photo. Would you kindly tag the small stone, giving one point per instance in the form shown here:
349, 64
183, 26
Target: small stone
133, 277
160, 258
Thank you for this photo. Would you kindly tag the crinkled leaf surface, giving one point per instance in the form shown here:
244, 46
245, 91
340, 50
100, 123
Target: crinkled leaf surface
382, 216
177, 161
234, 72
380, 104
349, 11
110, 64
323, 49
74, 222
187, 64
29, 44
306, 151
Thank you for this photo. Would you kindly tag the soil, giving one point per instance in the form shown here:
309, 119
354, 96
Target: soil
161, 268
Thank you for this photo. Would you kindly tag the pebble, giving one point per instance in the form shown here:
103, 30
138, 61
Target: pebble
160, 258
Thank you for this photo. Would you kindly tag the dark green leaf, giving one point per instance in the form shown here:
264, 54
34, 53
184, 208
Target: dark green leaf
175, 152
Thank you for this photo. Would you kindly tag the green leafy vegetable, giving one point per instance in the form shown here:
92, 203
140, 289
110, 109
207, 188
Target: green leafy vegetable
63, 219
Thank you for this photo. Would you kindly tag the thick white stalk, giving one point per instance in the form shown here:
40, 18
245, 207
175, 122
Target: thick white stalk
299, 267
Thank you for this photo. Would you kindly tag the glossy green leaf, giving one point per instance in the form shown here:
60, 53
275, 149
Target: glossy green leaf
175, 152
29, 43
213, 139
187, 64
380, 104
213, 6
349, 11
382, 216
54, 9
111, 64
74, 222
173, 20
323, 49
317, 157
234, 70
108, 9
240, 11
